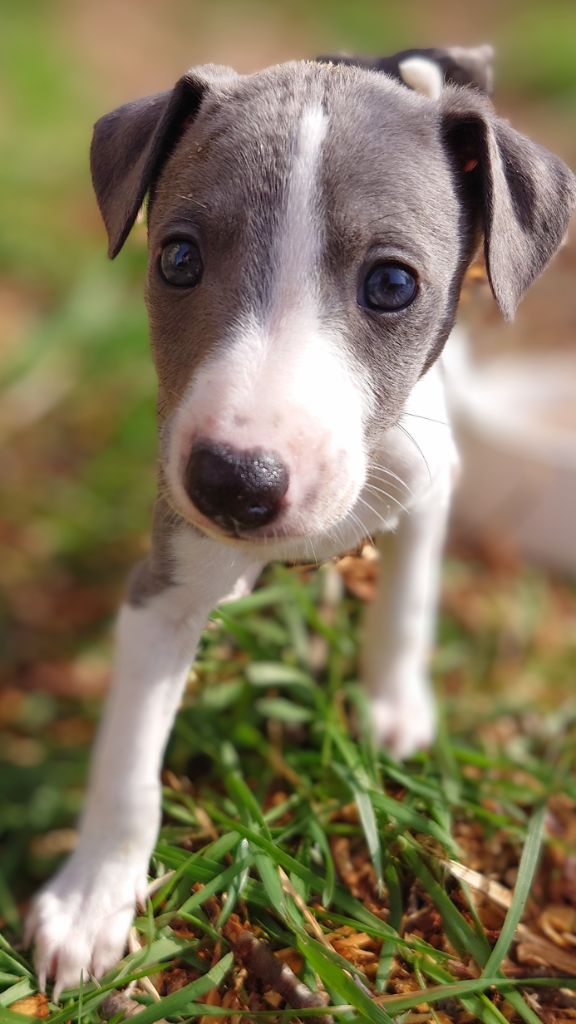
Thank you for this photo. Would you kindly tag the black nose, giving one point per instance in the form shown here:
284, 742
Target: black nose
238, 490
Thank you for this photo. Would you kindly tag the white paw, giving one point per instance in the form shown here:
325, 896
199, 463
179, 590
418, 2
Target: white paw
79, 921
404, 721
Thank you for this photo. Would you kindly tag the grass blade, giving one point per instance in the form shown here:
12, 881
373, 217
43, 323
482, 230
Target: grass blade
337, 980
526, 871
178, 1001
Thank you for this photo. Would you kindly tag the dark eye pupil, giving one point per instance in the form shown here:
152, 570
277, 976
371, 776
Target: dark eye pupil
389, 287
181, 264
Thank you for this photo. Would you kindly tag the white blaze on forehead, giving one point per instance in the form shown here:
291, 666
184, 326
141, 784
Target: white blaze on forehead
302, 232
284, 379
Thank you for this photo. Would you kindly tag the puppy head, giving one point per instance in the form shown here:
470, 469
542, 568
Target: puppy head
309, 228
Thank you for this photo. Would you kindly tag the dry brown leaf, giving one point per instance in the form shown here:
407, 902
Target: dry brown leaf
555, 958
32, 1006
558, 922
211, 999
494, 891
292, 957
360, 572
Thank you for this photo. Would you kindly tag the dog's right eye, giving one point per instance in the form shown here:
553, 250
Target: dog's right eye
180, 263
388, 287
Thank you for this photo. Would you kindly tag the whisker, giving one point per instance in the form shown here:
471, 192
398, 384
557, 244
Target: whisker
382, 522
364, 531
390, 482
389, 473
430, 419
417, 447
314, 555
340, 536
391, 497
379, 517
337, 532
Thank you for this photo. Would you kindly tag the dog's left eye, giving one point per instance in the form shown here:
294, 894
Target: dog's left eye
388, 287
181, 263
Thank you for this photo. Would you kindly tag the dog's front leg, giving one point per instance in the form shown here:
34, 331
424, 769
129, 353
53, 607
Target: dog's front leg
400, 625
79, 922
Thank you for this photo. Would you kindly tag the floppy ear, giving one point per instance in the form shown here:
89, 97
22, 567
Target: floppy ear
130, 145
525, 194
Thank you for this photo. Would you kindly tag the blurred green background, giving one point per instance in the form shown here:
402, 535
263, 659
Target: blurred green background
77, 444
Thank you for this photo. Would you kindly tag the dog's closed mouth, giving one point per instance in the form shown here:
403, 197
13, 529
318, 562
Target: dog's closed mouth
227, 529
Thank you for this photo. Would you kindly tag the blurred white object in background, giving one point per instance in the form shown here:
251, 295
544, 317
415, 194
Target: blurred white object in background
515, 423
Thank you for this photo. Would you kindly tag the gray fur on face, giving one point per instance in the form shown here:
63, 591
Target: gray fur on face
521, 195
401, 176
386, 190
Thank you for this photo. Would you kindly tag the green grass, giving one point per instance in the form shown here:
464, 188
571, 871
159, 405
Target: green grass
263, 761
272, 778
